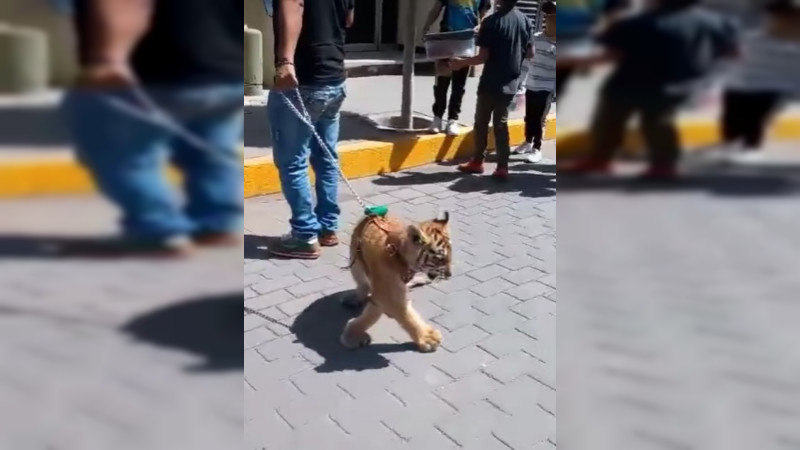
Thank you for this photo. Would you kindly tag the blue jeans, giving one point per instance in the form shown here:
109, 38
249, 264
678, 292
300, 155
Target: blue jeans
128, 156
294, 146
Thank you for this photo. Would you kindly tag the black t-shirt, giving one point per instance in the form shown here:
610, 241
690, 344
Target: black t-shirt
189, 41
319, 58
505, 34
667, 49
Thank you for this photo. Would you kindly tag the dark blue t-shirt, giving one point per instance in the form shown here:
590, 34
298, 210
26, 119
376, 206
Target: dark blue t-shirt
505, 34
668, 49
462, 15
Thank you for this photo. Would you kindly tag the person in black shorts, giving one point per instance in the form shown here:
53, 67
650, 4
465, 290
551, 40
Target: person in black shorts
457, 15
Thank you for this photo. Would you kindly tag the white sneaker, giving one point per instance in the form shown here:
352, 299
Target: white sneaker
746, 157
452, 128
719, 154
436, 125
535, 156
525, 147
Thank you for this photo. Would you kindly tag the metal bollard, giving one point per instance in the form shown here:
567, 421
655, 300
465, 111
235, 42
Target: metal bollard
253, 62
25, 60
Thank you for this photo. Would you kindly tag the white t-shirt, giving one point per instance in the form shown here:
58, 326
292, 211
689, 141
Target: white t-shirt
767, 64
541, 71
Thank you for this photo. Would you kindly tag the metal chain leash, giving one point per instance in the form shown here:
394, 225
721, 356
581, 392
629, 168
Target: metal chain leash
149, 111
305, 117
266, 317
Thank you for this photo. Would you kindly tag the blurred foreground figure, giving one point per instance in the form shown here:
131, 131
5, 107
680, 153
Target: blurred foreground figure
576, 24
149, 68
765, 78
661, 58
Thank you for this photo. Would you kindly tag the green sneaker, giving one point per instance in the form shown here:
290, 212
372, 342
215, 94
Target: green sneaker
290, 247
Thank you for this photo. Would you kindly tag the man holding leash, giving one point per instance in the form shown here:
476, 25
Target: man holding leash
310, 76
127, 103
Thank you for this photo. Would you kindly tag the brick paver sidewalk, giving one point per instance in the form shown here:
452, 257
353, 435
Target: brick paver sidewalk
679, 326
491, 385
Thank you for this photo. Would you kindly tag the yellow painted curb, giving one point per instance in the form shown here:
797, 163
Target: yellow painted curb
693, 133
48, 176
62, 175
369, 158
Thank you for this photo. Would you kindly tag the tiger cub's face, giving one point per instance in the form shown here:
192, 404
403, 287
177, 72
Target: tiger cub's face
433, 247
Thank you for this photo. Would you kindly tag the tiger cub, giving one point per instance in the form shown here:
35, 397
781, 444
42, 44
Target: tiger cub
385, 255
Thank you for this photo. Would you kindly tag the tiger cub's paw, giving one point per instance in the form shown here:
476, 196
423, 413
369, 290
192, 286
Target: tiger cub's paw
354, 339
429, 340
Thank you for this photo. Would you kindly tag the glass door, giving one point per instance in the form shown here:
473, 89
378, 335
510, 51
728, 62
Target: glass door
365, 34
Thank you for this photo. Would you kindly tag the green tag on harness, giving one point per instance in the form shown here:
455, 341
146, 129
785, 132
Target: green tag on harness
379, 211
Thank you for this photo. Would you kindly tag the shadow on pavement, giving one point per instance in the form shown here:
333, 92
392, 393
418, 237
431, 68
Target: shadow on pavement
778, 180
21, 246
530, 180
318, 328
257, 247
352, 126
33, 246
208, 327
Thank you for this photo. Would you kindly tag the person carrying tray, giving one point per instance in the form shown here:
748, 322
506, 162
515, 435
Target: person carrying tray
459, 15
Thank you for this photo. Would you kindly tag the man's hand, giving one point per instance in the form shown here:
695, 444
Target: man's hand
457, 64
106, 76
285, 77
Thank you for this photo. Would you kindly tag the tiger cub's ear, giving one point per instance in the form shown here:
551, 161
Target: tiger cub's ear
416, 234
444, 219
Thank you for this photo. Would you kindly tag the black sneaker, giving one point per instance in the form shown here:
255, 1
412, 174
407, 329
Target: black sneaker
290, 247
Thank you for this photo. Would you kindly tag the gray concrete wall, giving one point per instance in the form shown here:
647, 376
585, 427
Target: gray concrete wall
58, 28
256, 17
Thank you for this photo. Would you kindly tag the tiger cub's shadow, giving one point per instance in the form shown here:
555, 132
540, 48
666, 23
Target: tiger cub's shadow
319, 326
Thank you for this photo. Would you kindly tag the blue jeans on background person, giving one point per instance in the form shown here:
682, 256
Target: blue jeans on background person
128, 157
294, 146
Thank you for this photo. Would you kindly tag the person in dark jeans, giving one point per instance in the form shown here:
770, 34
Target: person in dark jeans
122, 46
459, 15
503, 43
660, 56
309, 62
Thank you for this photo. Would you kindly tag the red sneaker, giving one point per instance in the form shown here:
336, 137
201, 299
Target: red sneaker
472, 166
500, 174
584, 167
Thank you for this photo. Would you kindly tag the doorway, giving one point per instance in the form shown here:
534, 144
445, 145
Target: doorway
365, 34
